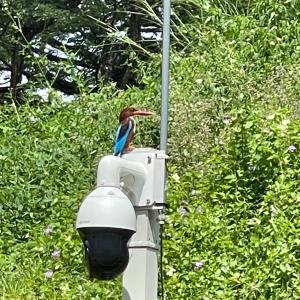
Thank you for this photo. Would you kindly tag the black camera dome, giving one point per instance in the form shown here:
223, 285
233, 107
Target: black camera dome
106, 252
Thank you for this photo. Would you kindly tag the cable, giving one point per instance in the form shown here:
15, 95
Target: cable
161, 263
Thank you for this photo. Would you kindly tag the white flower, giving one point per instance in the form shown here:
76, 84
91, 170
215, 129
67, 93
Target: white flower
183, 211
270, 117
33, 119
175, 177
171, 271
199, 209
48, 230
219, 141
273, 210
285, 122
226, 120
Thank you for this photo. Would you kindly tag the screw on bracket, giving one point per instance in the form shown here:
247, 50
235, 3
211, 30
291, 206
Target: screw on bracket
161, 219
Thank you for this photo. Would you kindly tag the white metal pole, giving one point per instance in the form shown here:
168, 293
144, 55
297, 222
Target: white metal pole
141, 275
165, 91
165, 76
140, 279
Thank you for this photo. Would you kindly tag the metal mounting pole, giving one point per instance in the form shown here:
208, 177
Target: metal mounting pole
165, 76
140, 279
165, 95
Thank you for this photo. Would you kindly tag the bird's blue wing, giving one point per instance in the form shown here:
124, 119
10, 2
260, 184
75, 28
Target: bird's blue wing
121, 137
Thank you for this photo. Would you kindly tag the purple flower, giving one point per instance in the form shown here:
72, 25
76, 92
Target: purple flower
55, 254
292, 148
198, 265
183, 211
48, 274
48, 230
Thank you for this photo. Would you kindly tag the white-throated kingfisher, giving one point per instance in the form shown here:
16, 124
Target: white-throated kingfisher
126, 129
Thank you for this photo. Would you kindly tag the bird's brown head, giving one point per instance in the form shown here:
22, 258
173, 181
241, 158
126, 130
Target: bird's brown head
132, 111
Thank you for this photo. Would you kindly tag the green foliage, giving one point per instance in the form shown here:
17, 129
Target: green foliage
48, 159
238, 216
232, 228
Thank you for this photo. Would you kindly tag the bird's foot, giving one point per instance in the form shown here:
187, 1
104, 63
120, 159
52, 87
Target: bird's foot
128, 149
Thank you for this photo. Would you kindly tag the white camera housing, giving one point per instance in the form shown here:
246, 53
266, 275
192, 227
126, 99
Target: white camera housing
106, 221
119, 221
106, 207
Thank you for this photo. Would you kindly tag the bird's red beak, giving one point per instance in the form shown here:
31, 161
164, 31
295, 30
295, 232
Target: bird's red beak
143, 113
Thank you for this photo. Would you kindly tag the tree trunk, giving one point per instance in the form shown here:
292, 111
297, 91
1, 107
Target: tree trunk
17, 68
134, 31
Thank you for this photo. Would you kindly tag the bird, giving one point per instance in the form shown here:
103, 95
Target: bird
126, 129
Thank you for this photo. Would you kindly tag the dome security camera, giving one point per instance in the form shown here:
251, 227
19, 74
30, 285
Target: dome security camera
123, 213
106, 221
